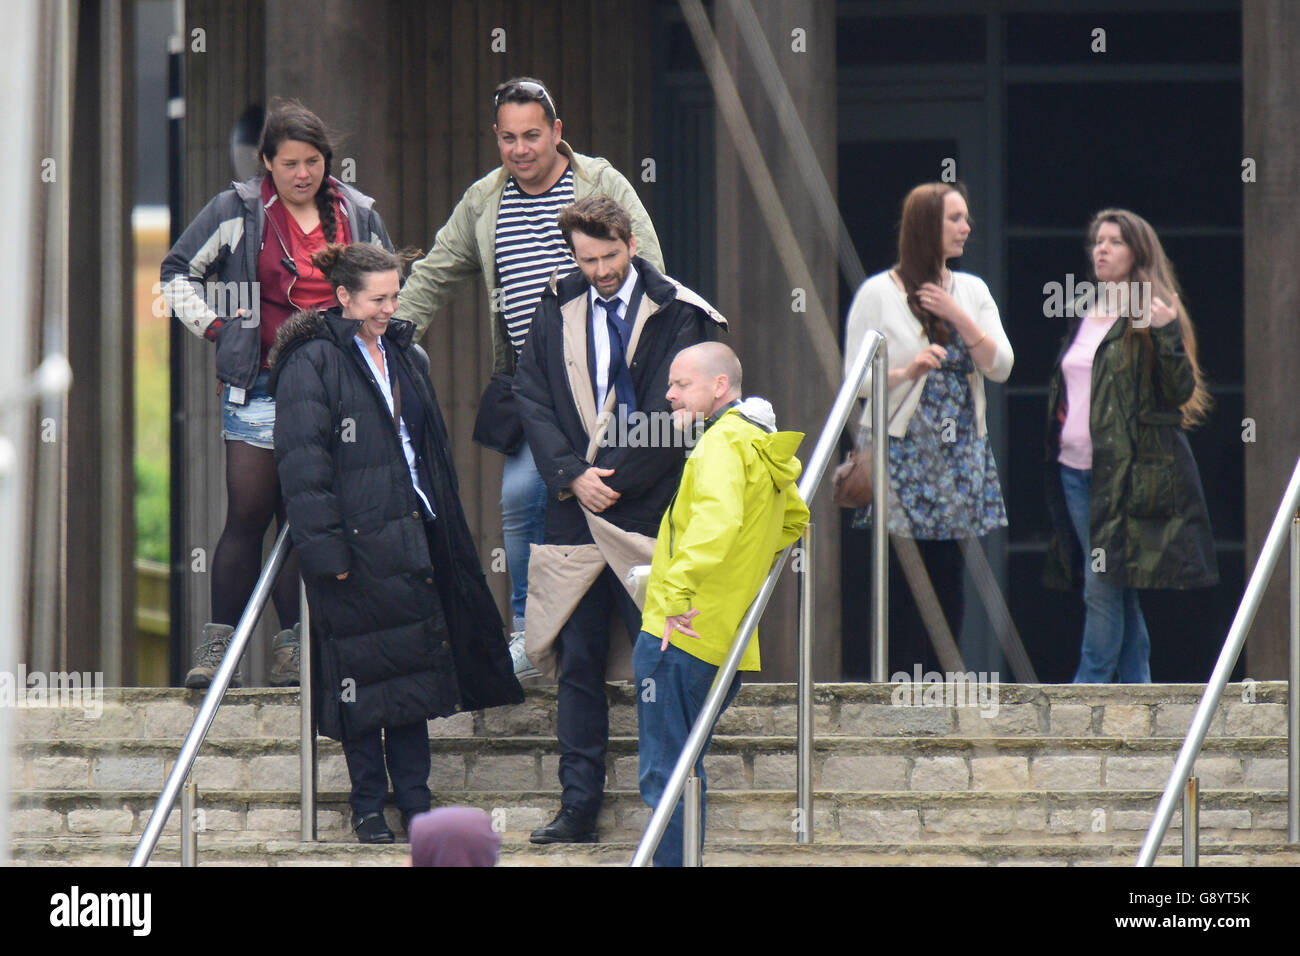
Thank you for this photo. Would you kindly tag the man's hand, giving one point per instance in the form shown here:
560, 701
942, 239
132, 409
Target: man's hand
594, 494
679, 622
343, 576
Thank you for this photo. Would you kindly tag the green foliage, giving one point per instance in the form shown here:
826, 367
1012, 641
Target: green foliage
152, 510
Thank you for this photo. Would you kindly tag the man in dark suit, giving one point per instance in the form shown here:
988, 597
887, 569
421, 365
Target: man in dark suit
597, 359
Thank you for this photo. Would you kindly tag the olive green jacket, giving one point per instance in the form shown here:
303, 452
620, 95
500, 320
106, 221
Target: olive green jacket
1147, 509
466, 245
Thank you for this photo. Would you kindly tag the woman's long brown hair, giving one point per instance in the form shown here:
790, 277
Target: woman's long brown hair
920, 249
1150, 264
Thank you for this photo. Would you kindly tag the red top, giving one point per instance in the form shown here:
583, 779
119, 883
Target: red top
282, 292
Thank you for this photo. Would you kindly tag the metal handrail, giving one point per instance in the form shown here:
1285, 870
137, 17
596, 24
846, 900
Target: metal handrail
212, 700
872, 354
1250, 601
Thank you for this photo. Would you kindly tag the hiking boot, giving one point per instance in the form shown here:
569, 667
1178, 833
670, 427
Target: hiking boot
208, 655
523, 667
286, 656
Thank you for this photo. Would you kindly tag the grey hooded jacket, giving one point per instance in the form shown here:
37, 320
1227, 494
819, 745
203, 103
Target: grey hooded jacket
211, 271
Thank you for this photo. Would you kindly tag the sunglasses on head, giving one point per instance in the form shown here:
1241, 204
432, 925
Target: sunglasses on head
535, 90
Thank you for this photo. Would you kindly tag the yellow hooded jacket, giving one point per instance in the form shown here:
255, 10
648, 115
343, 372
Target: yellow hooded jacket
737, 507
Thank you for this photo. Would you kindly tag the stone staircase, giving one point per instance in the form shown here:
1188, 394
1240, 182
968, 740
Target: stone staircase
1054, 775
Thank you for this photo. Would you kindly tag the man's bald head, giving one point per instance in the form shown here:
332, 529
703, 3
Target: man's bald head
712, 359
702, 379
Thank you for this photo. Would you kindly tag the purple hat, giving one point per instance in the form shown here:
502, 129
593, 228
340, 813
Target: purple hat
454, 836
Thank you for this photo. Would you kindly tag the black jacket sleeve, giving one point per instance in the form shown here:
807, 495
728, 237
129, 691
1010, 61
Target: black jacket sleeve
304, 441
557, 460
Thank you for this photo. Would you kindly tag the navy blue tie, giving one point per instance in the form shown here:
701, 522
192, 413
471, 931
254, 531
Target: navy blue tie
619, 334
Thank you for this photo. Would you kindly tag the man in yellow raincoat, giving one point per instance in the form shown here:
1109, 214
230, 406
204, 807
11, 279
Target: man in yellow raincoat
736, 509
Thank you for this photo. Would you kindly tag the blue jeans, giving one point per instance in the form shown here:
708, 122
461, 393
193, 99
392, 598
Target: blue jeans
523, 521
671, 687
1114, 633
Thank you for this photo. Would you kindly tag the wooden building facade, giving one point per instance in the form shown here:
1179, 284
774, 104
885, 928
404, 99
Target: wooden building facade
882, 90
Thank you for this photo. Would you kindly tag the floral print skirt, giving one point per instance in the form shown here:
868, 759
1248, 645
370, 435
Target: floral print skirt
943, 480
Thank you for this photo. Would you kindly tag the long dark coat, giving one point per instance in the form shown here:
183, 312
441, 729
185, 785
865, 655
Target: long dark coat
1146, 506
409, 635
646, 477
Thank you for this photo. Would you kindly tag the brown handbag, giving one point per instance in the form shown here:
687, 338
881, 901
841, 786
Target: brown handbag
851, 482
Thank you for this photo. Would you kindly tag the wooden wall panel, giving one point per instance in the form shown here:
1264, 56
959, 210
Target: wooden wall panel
410, 84
755, 292
1270, 75
221, 81
100, 533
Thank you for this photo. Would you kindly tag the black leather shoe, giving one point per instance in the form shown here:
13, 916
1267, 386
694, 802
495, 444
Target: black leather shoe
407, 817
372, 828
569, 826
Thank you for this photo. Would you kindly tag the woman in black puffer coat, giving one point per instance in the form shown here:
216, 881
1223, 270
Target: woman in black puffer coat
406, 628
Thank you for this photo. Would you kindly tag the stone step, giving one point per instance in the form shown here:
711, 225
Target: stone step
734, 763
117, 852
1043, 816
1251, 709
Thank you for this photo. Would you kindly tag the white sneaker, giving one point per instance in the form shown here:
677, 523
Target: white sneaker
523, 669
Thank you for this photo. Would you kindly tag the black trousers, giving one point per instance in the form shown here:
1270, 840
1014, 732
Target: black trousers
405, 750
583, 709
909, 640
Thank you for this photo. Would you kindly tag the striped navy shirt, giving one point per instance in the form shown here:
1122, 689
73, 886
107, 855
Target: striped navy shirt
529, 248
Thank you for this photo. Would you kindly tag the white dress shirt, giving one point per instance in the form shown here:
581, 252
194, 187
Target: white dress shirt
600, 331
381, 376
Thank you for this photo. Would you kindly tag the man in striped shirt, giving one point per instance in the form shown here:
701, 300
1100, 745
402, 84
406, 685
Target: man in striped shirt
504, 228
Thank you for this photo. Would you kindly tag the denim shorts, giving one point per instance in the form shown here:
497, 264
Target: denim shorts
252, 422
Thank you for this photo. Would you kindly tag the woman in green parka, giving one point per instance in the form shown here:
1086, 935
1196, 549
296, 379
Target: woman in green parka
1124, 494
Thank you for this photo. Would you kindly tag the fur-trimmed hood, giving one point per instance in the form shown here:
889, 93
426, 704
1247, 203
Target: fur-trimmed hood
308, 324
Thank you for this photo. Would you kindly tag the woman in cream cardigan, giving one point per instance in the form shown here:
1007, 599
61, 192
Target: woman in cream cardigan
944, 338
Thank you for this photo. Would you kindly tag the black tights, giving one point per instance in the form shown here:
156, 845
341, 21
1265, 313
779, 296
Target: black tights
252, 498
909, 639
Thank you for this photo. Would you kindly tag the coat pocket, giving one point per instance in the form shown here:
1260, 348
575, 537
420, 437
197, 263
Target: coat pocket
1151, 489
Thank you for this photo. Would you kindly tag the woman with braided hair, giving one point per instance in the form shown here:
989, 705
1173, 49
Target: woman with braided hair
235, 276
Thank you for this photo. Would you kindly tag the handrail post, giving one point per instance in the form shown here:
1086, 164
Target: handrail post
880, 515
692, 824
212, 700
1241, 622
307, 730
1191, 822
1292, 688
804, 770
189, 835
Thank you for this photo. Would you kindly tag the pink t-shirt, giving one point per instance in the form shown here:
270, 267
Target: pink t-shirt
1076, 367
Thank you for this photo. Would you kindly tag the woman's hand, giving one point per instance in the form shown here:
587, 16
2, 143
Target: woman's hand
1161, 313
926, 360
935, 299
